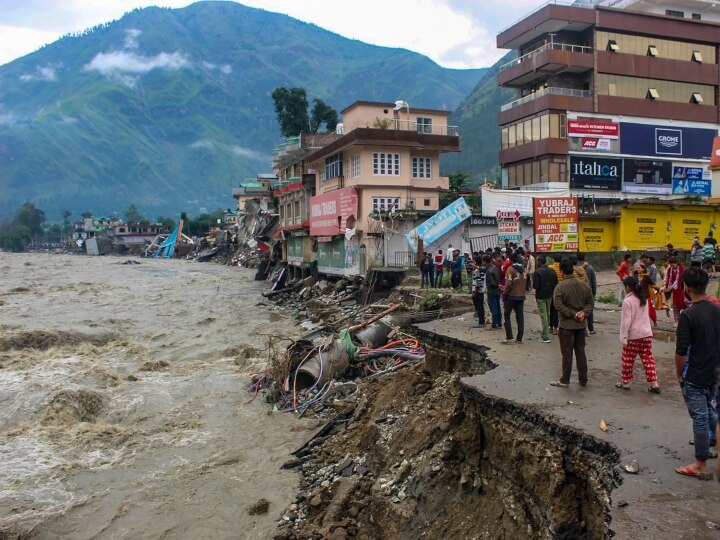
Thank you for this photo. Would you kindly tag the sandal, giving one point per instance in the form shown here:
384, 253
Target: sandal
621, 386
559, 384
687, 470
655, 390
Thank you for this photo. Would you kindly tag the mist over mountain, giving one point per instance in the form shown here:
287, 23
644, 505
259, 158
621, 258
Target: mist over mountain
169, 108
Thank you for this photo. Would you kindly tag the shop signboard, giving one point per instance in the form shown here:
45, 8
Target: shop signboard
330, 211
508, 224
593, 128
440, 224
647, 176
663, 141
691, 181
593, 172
555, 224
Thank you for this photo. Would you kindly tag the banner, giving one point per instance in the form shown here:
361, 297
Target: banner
590, 172
691, 181
647, 176
658, 140
593, 128
556, 224
509, 230
330, 211
440, 224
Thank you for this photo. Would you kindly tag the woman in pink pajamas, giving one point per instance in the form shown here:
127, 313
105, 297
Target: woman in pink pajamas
636, 335
674, 286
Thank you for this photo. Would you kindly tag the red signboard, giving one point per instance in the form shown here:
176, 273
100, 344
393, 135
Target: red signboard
556, 224
330, 211
715, 156
593, 128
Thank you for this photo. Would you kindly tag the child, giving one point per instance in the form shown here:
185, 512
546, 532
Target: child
636, 335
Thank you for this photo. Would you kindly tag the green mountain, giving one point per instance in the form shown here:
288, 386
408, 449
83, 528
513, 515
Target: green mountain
480, 135
169, 108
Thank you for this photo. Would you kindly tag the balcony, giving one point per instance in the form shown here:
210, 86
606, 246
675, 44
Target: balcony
550, 17
424, 129
563, 99
549, 59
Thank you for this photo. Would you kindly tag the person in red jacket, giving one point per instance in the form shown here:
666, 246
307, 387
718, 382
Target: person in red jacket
674, 285
622, 272
439, 259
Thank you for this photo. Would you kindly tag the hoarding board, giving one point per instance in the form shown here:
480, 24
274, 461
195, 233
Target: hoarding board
555, 224
509, 230
440, 224
593, 128
691, 181
593, 172
666, 141
647, 176
330, 211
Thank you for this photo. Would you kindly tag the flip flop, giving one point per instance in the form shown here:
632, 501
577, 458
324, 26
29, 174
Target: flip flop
559, 384
687, 470
621, 386
655, 390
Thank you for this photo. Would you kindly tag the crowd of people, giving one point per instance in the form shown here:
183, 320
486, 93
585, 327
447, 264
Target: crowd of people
565, 287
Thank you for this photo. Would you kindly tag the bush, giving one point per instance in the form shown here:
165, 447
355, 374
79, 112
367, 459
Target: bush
608, 298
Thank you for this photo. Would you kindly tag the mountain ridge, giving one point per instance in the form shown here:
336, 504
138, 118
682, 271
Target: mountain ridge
169, 108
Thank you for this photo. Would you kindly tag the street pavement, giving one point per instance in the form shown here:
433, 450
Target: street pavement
654, 430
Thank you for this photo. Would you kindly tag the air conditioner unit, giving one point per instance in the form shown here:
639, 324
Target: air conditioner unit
340, 129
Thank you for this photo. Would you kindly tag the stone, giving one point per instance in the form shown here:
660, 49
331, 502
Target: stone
259, 508
325, 484
347, 462
401, 495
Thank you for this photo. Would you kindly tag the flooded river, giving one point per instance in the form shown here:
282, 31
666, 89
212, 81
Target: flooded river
123, 412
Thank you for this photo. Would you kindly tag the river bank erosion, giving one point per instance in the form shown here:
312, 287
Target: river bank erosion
125, 413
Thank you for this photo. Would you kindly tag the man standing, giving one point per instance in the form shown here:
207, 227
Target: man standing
697, 356
574, 303
492, 287
478, 288
592, 281
544, 281
515, 299
457, 267
530, 266
439, 262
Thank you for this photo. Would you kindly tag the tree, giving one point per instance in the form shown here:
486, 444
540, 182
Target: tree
322, 113
55, 233
133, 215
31, 217
291, 109
166, 222
86, 215
14, 236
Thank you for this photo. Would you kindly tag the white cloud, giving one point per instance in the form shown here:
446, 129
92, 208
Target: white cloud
131, 35
203, 143
41, 73
249, 153
127, 62
8, 119
226, 69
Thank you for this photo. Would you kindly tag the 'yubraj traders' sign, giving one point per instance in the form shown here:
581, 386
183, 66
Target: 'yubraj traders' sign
556, 224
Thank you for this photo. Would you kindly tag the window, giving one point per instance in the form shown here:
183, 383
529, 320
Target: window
426, 202
421, 167
424, 125
697, 16
643, 88
333, 166
674, 13
652, 50
652, 93
355, 166
612, 46
385, 204
666, 48
697, 57
696, 98
386, 164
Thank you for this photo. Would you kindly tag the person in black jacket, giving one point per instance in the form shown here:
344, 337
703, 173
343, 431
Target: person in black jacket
492, 288
592, 278
544, 281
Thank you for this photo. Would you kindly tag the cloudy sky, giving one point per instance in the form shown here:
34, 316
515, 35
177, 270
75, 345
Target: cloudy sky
454, 33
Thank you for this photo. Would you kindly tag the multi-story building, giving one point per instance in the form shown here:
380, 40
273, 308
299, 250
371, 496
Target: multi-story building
375, 182
295, 187
615, 98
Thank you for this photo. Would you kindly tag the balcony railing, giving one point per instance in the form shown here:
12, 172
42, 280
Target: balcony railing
291, 143
554, 90
428, 129
554, 46
566, 3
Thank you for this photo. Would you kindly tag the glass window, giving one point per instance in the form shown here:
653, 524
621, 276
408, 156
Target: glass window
386, 164
527, 173
421, 167
424, 125
504, 138
665, 48
554, 126
355, 166
385, 204
511, 136
641, 88
545, 126
536, 129
333, 166
527, 131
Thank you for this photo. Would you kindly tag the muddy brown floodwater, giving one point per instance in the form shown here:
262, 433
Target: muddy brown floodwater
123, 410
